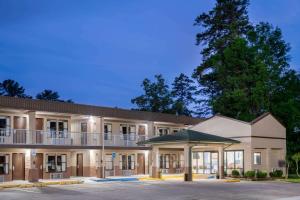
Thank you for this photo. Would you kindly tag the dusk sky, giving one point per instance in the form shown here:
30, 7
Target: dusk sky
98, 52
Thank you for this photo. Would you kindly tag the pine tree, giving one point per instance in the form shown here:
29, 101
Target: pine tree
183, 93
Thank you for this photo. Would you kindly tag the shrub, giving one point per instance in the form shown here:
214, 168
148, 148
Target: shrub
235, 173
277, 173
250, 174
261, 174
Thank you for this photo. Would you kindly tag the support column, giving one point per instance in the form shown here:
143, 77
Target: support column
155, 162
221, 163
100, 167
31, 134
268, 160
188, 163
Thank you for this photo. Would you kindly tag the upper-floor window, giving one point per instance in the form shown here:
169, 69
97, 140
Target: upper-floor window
163, 131
107, 131
4, 122
142, 130
175, 130
257, 158
123, 129
132, 129
83, 127
57, 128
4, 126
57, 125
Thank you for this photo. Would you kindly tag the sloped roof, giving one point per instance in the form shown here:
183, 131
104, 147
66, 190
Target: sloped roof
262, 116
73, 108
189, 136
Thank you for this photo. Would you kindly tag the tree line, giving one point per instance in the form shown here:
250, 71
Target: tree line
12, 88
244, 72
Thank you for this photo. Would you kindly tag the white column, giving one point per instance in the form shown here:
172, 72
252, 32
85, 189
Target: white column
31, 139
155, 162
188, 162
221, 162
98, 131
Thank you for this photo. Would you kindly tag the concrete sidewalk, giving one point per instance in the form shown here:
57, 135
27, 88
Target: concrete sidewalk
41, 183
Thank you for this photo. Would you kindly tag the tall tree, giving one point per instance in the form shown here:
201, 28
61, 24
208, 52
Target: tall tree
13, 89
156, 97
227, 21
49, 95
242, 75
183, 93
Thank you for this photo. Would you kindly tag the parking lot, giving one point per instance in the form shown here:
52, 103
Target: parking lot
206, 189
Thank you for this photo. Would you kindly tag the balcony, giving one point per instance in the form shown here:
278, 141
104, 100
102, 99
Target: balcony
64, 138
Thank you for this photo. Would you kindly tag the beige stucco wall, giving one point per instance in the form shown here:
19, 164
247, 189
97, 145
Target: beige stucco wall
224, 127
268, 127
269, 139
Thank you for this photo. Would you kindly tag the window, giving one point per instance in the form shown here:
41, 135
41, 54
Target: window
83, 127
162, 131
205, 162
257, 158
57, 129
132, 132
4, 122
175, 130
107, 131
123, 129
4, 127
131, 162
127, 162
233, 160
56, 163
142, 130
164, 161
4, 164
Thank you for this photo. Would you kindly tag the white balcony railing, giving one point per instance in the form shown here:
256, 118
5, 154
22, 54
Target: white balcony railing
64, 138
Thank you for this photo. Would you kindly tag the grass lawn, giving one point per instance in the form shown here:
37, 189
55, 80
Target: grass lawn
293, 178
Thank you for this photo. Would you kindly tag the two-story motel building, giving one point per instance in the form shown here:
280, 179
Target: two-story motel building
50, 140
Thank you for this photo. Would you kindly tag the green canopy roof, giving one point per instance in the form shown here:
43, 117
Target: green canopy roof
188, 136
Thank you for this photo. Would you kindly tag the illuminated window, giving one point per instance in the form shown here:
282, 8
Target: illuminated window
257, 158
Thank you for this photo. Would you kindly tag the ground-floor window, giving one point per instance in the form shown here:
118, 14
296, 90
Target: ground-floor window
127, 162
56, 163
164, 161
205, 162
4, 164
257, 158
233, 160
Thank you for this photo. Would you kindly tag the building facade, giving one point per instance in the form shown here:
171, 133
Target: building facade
50, 140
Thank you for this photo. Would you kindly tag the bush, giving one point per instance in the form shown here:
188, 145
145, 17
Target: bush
235, 173
261, 174
250, 174
277, 173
